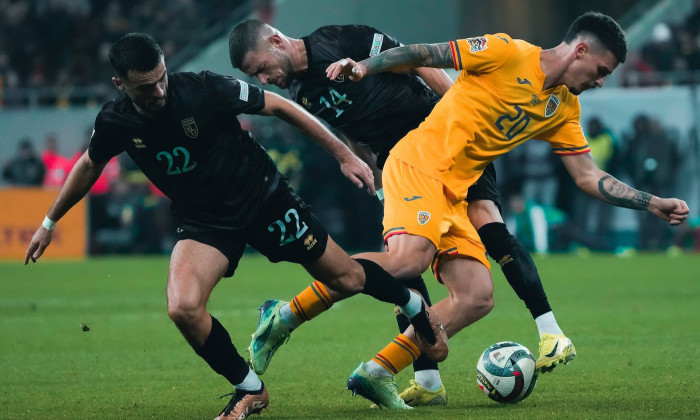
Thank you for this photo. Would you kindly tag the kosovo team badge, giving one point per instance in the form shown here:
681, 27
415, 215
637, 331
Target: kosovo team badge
423, 217
190, 127
552, 105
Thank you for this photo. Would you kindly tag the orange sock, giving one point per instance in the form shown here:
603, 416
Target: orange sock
311, 301
398, 355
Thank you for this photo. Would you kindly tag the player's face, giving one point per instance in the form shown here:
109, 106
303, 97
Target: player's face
269, 65
590, 70
147, 90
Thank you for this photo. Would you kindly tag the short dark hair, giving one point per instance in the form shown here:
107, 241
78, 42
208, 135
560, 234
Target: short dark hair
604, 28
244, 38
134, 52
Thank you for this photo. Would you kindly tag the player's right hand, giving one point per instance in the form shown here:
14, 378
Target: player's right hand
347, 67
40, 240
673, 210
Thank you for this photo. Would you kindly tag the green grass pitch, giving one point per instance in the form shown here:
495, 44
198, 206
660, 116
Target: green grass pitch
634, 322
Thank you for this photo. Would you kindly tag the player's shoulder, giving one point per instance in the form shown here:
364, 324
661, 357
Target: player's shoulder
195, 80
118, 111
326, 33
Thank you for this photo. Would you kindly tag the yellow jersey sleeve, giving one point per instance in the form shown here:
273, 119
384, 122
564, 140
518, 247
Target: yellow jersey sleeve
481, 54
568, 138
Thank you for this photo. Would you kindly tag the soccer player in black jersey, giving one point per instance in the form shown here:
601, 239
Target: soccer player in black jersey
372, 116
182, 130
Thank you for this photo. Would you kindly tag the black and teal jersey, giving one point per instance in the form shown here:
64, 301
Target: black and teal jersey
194, 150
377, 111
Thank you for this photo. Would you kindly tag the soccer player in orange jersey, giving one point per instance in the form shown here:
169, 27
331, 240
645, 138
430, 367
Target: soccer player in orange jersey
508, 91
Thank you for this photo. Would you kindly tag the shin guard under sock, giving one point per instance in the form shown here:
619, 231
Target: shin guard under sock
220, 353
517, 265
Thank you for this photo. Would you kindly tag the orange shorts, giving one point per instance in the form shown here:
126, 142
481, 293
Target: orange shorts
417, 204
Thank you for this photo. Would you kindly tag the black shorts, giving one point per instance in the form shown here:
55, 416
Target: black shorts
485, 187
285, 229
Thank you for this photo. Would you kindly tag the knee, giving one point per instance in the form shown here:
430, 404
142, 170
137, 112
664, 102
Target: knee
482, 212
483, 304
183, 311
350, 281
477, 305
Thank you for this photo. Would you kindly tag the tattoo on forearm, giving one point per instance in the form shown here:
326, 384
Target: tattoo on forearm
440, 54
409, 57
619, 194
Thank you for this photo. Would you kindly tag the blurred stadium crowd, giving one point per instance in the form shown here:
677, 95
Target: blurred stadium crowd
671, 56
128, 215
63, 45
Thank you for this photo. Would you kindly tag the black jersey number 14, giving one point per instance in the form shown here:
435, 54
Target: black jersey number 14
336, 101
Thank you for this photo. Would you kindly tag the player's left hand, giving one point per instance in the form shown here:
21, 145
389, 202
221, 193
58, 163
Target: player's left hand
348, 67
673, 210
358, 172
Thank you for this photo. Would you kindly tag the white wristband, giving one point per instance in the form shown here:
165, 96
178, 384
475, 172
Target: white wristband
48, 224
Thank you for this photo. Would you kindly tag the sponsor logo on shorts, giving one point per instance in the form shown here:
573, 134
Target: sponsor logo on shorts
138, 143
423, 217
552, 105
180, 230
190, 127
309, 242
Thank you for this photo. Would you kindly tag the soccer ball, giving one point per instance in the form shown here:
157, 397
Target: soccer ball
506, 372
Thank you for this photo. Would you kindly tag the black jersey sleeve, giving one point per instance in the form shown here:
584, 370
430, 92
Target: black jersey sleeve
360, 42
235, 95
103, 146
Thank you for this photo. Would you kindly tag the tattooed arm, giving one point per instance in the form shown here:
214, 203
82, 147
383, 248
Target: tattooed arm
603, 186
403, 58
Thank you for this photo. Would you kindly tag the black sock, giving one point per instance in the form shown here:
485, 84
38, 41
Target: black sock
220, 353
423, 362
517, 266
382, 286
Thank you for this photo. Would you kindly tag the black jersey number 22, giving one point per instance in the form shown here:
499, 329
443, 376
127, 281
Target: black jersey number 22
182, 154
284, 237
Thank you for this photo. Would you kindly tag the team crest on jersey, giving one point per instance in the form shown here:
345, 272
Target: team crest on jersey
376, 45
190, 127
340, 78
423, 217
138, 143
477, 44
552, 105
